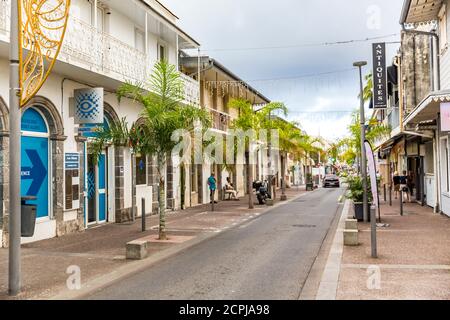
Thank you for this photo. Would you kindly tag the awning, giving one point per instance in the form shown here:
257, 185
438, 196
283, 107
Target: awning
428, 109
420, 11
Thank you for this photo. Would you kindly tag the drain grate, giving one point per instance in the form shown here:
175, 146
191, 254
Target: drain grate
304, 226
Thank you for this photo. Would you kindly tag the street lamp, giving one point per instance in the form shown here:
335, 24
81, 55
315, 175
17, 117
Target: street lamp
360, 65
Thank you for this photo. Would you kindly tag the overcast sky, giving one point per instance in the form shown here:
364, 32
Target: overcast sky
319, 101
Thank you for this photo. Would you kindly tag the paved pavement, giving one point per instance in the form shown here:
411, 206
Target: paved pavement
269, 257
413, 262
100, 252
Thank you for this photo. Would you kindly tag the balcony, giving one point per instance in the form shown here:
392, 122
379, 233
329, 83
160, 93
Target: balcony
86, 47
220, 120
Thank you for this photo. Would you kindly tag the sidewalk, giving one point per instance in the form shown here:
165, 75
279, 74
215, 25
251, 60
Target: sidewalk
101, 251
413, 262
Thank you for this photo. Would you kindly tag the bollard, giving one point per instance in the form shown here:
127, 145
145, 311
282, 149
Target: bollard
144, 228
401, 202
373, 232
390, 195
384, 192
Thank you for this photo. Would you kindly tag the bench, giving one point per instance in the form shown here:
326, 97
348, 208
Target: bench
137, 250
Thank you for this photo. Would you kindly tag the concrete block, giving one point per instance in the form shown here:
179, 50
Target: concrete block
351, 224
351, 238
137, 250
269, 202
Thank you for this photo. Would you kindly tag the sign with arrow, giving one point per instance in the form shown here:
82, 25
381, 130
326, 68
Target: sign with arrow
34, 172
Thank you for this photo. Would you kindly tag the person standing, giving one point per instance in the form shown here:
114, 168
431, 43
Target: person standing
212, 184
396, 182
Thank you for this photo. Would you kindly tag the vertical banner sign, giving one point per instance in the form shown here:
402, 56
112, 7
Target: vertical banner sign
89, 106
379, 76
445, 117
372, 173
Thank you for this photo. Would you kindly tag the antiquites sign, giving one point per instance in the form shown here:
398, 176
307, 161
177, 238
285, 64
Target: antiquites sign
379, 76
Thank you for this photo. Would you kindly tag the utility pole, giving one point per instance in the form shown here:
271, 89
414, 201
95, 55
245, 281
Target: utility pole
14, 281
362, 117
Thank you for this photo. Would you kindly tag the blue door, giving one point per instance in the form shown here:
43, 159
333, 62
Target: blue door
34, 161
96, 190
102, 188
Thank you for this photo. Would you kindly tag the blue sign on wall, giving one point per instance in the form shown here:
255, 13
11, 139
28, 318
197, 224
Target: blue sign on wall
72, 161
34, 173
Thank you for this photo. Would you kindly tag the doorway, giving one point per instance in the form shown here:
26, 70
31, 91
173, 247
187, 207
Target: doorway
97, 190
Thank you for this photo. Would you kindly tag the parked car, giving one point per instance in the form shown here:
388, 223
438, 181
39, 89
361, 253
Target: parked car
331, 180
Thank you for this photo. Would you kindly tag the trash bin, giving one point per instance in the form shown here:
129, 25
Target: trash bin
28, 216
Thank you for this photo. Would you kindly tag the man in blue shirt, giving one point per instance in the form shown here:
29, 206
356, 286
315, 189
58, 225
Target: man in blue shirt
212, 183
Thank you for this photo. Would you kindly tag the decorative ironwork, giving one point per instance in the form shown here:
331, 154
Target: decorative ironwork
42, 26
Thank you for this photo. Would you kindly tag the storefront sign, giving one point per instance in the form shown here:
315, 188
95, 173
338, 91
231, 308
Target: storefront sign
445, 116
89, 106
379, 76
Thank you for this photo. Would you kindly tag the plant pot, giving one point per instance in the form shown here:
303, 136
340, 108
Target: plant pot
310, 187
359, 211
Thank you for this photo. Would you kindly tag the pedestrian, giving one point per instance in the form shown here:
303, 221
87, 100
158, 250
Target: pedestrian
396, 182
404, 190
212, 183
230, 189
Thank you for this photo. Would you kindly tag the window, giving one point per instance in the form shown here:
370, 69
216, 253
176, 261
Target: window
162, 54
443, 28
141, 170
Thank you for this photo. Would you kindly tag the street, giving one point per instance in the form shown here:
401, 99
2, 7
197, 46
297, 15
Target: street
267, 258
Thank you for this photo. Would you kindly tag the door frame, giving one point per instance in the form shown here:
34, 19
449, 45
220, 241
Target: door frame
97, 193
46, 135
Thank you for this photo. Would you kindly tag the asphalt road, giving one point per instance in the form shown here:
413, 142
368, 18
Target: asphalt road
267, 258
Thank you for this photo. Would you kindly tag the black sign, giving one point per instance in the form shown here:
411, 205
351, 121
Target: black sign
379, 76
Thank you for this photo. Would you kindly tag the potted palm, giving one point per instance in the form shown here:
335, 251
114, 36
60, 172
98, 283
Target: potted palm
356, 194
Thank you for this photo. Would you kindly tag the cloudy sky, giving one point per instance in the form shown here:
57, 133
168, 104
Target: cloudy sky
282, 48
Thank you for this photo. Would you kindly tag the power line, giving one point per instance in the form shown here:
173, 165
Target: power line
304, 45
311, 75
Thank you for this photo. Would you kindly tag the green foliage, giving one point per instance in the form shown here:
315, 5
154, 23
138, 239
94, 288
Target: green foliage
355, 189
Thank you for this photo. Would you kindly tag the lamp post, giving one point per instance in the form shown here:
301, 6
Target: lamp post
360, 65
14, 281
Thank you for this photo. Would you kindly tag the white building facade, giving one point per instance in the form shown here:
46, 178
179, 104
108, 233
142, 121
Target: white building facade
107, 43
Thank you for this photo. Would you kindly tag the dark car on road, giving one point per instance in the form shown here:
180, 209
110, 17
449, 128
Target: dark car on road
331, 180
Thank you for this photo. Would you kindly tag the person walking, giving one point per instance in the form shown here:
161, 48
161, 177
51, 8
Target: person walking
212, 184
404, 189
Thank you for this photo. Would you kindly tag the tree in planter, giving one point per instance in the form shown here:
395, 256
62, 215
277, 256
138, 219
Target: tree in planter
164, 113
249, 119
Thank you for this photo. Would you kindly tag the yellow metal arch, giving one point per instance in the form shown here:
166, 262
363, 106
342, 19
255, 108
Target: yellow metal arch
42, 26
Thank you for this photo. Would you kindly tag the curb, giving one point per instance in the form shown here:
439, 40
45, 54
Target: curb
330, 277
138, 266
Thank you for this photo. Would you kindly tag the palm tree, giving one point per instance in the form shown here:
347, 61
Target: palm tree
249, 119
164, 113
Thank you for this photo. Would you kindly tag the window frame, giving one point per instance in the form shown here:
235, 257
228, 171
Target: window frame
442, 21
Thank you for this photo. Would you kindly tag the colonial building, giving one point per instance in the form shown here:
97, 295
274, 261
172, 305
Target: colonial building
107, 44
218, 86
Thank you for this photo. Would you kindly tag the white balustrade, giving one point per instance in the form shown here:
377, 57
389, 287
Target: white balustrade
87, 47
